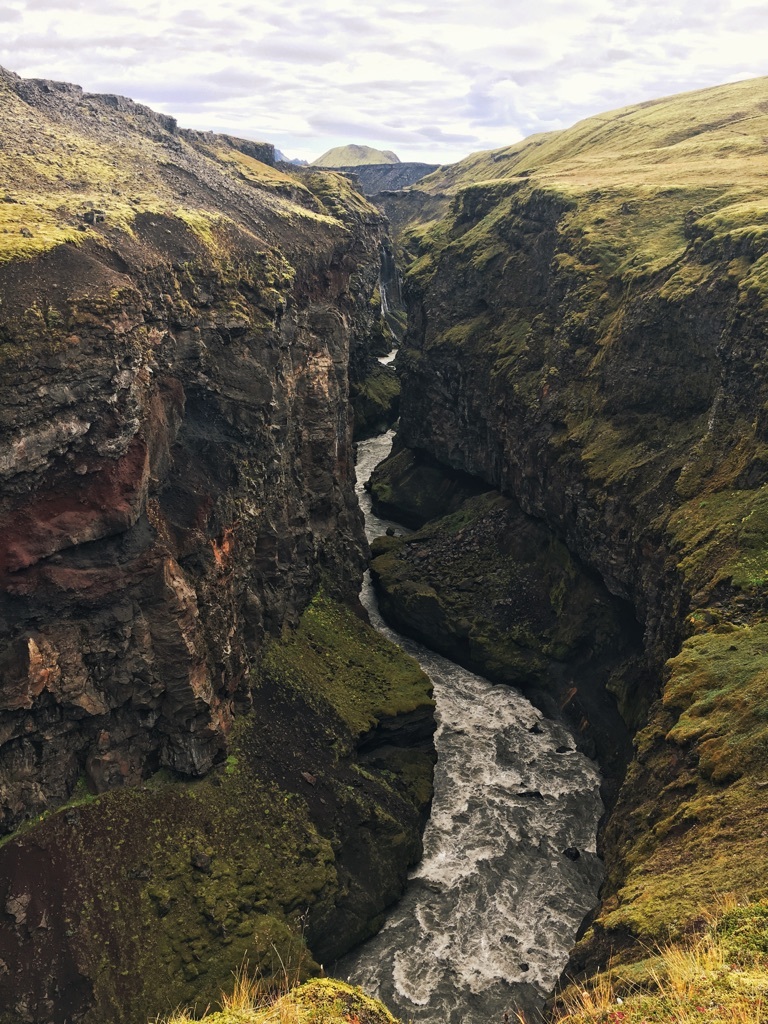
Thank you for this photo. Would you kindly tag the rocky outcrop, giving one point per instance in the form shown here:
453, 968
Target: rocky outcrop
494, 590
586, 338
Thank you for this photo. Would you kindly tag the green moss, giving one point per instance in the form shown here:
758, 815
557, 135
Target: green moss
375, 401
723, 536
336, 657
185, 880
355, 156
743, 931
719, 685
339, 197
413, 489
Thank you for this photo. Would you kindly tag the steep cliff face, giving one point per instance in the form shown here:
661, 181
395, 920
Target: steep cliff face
179, 326
176, 448
587, 321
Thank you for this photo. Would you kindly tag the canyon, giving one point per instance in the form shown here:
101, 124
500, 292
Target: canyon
206, 753
586, 325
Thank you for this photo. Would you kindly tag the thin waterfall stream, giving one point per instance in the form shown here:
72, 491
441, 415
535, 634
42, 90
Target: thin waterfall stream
491, 911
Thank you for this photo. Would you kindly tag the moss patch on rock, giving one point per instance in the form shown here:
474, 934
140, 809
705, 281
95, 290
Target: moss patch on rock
375, 401
319, 1001
337, 659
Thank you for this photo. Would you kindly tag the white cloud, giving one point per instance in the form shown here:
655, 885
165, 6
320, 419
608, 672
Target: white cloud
433, 80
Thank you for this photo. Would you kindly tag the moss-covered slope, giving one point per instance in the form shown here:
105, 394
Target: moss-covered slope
126, 905
321, 1001
588, 313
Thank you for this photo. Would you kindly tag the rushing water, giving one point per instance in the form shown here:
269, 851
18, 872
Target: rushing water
491, 911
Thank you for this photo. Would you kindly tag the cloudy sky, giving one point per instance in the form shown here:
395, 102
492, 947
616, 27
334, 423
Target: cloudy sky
433, 80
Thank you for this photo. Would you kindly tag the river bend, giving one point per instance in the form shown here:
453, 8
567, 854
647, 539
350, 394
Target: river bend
493, 908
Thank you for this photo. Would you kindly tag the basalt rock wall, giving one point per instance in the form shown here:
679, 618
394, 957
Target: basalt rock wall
586, 338
181, 551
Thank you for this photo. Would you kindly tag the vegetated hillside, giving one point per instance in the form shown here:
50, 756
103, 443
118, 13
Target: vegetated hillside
354, 156
588, 313
180, 550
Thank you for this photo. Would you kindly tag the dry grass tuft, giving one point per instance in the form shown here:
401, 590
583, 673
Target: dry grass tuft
720, 977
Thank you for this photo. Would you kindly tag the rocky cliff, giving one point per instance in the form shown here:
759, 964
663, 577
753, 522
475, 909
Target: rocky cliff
376, 178
179, 323
587, 315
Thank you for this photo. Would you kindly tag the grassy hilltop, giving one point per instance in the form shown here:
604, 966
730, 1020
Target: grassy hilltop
637, 180
353, 156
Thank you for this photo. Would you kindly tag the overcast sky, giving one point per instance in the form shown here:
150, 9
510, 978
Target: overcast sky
432, 80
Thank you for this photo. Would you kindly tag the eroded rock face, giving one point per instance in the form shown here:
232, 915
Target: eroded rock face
170, 492
494, 590
175, 453
180, 323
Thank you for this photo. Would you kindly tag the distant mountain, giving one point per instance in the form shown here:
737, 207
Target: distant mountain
280, 157
355, 156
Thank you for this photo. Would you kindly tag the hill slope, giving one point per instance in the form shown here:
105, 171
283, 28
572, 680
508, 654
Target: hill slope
355, 156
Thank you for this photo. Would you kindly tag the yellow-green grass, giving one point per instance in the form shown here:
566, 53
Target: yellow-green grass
637, 184
718, 977
320, 1001
354, 156
723, 536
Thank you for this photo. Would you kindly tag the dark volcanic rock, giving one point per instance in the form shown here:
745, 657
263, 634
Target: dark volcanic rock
413, 487
175, 454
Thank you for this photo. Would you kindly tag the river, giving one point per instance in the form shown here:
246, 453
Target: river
491, 911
